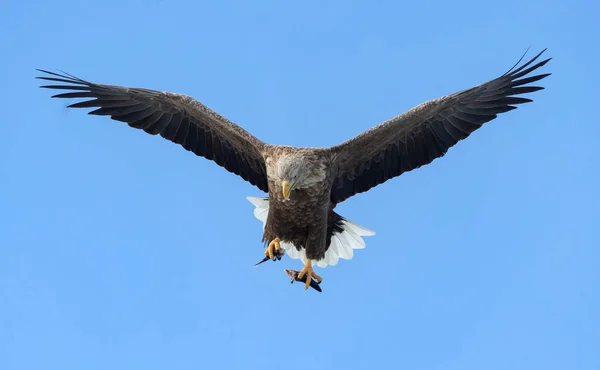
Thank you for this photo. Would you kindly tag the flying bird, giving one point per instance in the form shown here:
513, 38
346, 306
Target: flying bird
304, 185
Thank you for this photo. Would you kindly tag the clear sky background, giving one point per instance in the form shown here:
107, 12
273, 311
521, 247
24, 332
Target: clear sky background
120, 250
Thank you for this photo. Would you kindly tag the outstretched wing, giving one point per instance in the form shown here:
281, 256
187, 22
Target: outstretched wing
178, 118
426, 132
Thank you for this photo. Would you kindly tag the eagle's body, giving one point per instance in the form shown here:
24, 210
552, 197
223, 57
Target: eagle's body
304, 219
305, 184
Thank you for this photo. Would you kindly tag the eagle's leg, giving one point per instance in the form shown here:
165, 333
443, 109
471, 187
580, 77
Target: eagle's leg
274, 246
309, 272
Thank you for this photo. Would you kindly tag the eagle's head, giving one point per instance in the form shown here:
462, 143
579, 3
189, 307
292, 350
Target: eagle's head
297, 171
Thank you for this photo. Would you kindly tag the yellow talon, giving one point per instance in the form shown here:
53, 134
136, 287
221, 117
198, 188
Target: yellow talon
309, 272
273, 246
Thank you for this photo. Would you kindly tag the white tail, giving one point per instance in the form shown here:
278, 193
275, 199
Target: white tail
342, 243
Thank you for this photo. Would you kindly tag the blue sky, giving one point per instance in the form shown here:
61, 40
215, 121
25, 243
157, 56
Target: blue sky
120, 250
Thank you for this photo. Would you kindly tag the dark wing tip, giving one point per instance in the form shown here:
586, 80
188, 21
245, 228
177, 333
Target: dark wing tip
58, 77
512, 69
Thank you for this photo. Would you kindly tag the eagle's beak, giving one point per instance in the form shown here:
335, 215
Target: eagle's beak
286, 188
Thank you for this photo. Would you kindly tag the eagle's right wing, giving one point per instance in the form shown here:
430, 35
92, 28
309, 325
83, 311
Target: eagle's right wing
178, 118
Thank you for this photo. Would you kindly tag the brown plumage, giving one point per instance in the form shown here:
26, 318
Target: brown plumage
315, 179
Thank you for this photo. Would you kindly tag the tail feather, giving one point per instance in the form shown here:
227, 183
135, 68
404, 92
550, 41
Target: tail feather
346, 237
358, 230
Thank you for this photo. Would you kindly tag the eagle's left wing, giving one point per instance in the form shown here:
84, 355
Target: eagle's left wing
426, 132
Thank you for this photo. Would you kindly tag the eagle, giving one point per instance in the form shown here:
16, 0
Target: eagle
304, 185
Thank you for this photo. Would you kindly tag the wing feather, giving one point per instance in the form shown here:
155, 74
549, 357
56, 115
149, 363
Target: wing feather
426, 132
177, 118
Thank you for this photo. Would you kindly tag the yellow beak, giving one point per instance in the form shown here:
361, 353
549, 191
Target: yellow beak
286, 188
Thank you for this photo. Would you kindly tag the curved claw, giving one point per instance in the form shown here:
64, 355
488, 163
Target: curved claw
273, 249
310, 273
293, 275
